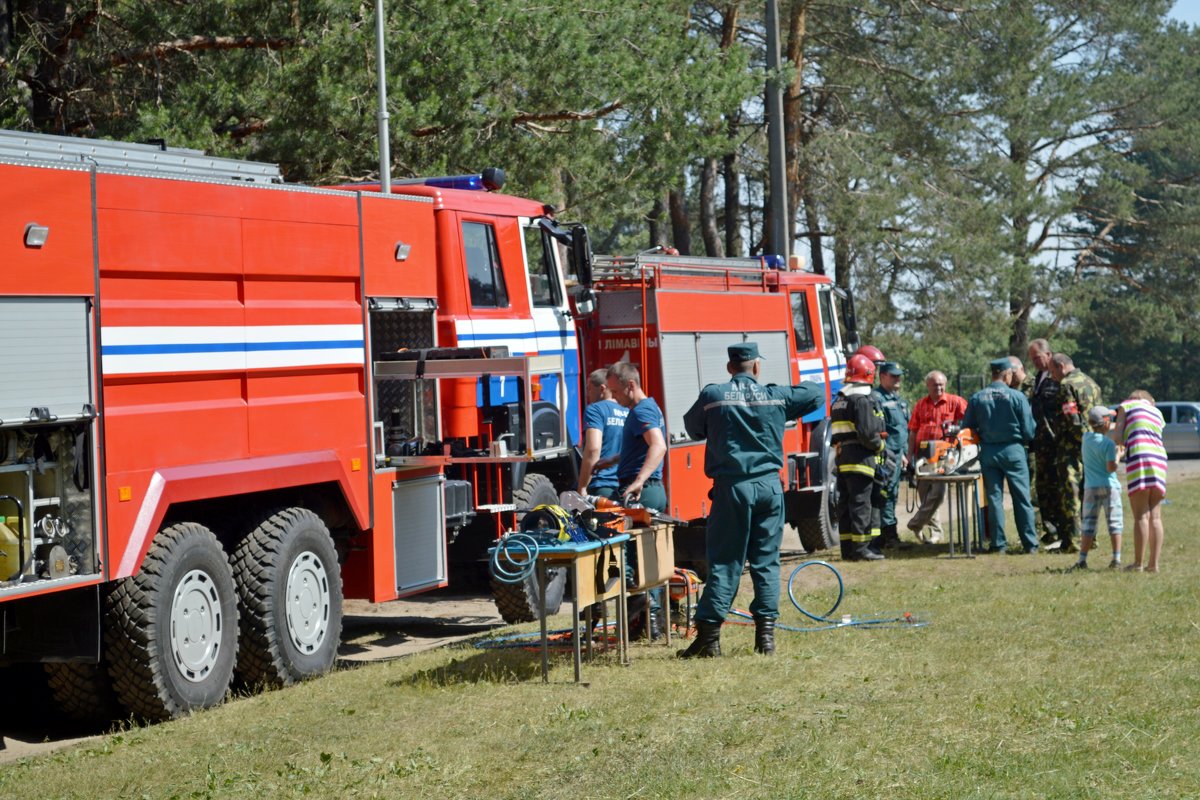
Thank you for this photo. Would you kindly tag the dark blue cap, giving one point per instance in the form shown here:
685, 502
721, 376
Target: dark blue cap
746, 351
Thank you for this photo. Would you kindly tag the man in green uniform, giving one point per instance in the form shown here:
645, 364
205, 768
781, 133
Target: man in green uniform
895, 422
1001, 418
742, 422
1077, 393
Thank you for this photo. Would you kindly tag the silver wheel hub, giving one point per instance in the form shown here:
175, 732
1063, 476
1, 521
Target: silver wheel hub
196, 625
307, 602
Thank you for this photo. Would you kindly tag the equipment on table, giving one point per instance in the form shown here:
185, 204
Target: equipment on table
956, 453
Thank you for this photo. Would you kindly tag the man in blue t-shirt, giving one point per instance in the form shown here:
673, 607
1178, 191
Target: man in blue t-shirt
639, 470
643, 440
603, 422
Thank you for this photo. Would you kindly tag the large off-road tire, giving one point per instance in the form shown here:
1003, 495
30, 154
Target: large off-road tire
518, 602
171, 629
819, 532
83, 691
289, 590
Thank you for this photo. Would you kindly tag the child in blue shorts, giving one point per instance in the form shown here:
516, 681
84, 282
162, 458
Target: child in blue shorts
1101, 488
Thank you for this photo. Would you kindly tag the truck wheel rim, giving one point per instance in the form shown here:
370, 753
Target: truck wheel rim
307, 602
196, 625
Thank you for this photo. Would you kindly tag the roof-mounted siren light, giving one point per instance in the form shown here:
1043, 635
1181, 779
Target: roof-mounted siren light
490, 180
773, 262
796, 263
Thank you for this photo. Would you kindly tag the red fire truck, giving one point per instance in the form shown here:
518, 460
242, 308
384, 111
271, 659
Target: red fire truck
229, 402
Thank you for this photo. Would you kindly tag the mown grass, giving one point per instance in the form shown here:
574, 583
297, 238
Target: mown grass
1029, 683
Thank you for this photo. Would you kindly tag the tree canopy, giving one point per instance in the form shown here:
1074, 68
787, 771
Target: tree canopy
978, 174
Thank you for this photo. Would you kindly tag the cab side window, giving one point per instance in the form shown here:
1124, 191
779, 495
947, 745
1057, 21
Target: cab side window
542, 269
483, 266
802, 323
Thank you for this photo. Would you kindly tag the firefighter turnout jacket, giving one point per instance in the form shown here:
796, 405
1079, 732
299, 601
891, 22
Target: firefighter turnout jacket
856, 429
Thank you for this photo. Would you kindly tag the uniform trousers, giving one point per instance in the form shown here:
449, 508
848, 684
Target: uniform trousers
1068, 475
746, 525
887, 514
854, 511
1001, 462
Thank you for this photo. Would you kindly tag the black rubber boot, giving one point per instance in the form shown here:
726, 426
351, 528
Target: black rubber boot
707, 644
764, 636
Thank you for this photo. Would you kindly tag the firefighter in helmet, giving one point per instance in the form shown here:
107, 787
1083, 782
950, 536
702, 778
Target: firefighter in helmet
858, 434
887, 462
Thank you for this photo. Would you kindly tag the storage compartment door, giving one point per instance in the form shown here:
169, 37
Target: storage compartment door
418, 510
43, 357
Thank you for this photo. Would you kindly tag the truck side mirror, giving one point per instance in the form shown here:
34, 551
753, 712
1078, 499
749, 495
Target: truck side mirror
581, 255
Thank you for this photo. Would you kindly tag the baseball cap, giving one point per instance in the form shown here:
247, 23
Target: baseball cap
1098, 414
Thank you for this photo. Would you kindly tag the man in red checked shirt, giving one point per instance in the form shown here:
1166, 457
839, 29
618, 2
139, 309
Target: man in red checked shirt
926, 424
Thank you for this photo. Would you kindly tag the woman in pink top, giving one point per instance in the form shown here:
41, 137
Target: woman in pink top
1139, 428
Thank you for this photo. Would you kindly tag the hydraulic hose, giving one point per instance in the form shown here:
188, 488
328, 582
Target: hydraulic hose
507, 569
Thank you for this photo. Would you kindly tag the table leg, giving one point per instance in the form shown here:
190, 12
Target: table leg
590, 623
952, 533
666, 590
575, 643
622, 611
541, 579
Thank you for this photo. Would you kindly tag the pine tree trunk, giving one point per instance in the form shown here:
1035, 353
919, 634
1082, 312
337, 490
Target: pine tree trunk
681, 228
658, 232
713, 246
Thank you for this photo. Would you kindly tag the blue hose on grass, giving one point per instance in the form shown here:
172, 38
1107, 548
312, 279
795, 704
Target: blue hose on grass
828, 623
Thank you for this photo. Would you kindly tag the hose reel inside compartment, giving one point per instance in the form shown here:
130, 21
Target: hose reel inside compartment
47, 453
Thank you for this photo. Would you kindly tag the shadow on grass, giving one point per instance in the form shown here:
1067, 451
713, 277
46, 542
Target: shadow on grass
482, 666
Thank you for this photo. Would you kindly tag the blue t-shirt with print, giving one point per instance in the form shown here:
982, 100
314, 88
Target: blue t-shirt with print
1098, 450
608, 417
642, 417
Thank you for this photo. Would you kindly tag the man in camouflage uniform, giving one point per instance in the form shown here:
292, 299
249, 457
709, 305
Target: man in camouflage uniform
1077, 393
1043, 399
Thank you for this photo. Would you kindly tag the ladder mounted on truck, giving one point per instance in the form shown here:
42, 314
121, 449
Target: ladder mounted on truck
153, 159
660, 269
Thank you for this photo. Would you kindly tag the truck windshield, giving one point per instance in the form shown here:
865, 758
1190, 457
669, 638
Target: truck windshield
542, 269
828, 320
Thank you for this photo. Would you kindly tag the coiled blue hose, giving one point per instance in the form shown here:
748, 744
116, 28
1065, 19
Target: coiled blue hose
517, 569
904, 620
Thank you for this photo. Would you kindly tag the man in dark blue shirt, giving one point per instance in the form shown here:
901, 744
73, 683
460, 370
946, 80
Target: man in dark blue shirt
643, 442
743, 423
603, 423
1000, 416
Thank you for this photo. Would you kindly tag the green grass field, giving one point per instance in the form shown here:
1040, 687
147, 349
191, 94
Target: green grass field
1029, 682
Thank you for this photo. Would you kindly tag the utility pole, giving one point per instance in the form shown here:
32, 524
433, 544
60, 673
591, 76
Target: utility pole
781, 229
385, 154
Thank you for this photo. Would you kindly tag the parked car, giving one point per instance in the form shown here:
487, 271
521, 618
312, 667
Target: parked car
1181, 435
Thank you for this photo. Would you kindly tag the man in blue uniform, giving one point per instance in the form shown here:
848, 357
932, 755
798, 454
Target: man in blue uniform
742, 422
603, 423
895, 422
1000, 416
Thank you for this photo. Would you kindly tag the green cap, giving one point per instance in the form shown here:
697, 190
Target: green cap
999, 364
746, 351
890, 368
